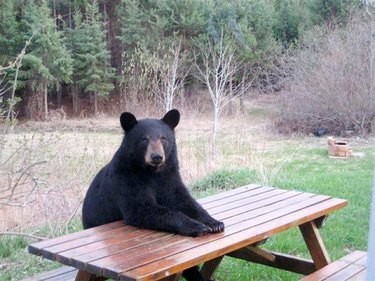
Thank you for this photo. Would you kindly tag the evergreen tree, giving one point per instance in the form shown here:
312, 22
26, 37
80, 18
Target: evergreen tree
9, 43
48, 63
93, 73
9, 32
332, 12
288, 22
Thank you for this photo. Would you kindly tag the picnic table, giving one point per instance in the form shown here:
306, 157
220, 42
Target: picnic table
251, 214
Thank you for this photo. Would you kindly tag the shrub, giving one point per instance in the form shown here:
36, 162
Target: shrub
332, 82
225, 179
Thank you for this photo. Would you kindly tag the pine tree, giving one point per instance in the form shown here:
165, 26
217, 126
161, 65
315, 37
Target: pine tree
93, 73
9, 35
48, 63
10, 49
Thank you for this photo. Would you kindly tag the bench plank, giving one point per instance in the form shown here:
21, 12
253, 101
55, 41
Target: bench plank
360, 276
65, 273
350, 270
333, 269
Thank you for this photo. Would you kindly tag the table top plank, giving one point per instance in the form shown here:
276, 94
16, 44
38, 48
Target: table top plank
110, 246
128, 231
237, 197
270, 214
106, 255
36, 247
229, 193
229, 243
275, 198
261, 206
244, 201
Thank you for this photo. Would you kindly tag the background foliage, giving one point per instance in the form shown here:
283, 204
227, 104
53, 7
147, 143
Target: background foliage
90, 56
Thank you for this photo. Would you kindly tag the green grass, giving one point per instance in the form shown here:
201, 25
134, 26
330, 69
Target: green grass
310, 170
16, 263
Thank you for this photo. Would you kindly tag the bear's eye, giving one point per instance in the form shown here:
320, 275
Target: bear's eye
145, 139
163, 138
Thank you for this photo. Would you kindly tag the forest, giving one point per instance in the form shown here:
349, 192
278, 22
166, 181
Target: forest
79, 58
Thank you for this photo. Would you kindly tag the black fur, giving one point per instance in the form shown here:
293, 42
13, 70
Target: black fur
145, 195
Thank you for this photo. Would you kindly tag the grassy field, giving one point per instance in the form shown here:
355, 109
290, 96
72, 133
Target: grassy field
61, 159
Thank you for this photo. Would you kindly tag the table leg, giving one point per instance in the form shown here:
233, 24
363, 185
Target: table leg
85, 276
209, 267
315, 244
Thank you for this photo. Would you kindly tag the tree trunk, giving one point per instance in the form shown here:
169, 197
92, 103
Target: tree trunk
35, 105
96, 104
75, 100
45, 101
242, 107
115, 45
59, 97
230, 104
70, 13
214, 131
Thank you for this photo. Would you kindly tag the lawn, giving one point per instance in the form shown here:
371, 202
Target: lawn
310, 169
247, 153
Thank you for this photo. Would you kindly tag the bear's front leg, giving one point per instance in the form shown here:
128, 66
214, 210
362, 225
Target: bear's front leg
190, 207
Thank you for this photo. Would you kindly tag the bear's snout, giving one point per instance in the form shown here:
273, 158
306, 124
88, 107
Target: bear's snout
156, 158
155, 153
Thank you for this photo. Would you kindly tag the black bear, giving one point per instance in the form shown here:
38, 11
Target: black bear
142, 185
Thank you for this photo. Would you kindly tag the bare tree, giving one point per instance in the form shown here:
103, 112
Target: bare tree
169, 72
217, 67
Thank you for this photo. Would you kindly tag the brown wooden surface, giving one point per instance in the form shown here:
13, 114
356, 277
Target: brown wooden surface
65, 273
85, 276
251, 214
315, 244
278, 260
350, 267
210, 266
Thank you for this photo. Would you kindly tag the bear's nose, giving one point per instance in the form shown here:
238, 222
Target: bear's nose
156, 158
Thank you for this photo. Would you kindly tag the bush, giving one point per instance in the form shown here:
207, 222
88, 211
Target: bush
332, 82
226, 179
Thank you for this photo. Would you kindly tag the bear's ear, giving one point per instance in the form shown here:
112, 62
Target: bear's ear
171, 118
128, 121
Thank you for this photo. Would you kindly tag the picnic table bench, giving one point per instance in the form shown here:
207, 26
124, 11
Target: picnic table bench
251, 214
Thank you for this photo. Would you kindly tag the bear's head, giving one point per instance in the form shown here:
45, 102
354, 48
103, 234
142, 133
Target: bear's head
150, 142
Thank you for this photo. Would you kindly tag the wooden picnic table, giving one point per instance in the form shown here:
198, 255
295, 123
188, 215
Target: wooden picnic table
251, 214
